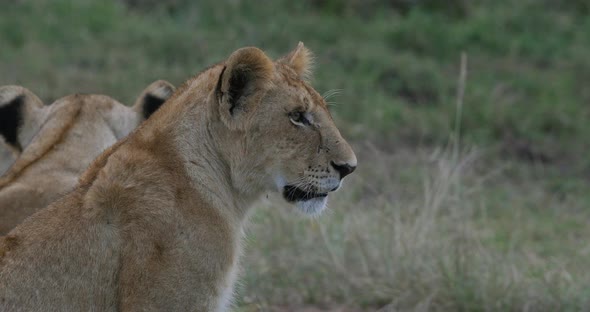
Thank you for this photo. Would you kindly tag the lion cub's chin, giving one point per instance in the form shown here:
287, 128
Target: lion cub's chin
312, 207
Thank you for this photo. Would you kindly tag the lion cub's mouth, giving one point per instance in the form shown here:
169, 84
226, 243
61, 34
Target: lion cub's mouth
294, 194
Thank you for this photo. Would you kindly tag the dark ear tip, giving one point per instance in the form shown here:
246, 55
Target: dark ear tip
16, 104
161, 88
11, 119
151, 104
153, 97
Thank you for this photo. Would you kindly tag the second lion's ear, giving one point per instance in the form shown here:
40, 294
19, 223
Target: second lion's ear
20, 116
247, 72
153, 97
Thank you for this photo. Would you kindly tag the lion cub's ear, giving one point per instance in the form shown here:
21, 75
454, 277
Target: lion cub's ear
153, 97
300, 60
21, 112
247, 72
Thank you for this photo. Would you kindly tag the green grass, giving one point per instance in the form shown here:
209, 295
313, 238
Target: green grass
415, 229
396, 68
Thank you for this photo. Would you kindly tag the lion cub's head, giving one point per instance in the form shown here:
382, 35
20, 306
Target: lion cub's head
282, 132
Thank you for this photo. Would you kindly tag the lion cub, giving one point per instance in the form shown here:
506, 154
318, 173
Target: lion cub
61, 140
156, 221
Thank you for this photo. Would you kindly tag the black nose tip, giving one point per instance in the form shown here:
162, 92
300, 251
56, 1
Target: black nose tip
344, 169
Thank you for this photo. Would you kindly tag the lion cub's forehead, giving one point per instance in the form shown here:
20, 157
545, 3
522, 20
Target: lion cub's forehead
305, 94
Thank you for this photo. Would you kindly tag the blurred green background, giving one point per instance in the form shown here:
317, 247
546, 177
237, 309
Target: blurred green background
393, 66
394, 61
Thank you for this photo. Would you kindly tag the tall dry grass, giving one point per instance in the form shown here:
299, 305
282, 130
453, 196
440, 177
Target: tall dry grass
411, 231
407, 233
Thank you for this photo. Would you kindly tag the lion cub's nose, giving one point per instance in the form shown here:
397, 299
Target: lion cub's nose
343, 169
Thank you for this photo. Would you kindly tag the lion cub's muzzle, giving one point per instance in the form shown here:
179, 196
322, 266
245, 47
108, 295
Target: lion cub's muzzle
294, 194
317, 182
343, 169
318, 185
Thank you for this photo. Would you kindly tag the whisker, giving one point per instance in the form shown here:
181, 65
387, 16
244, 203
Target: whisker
331, 93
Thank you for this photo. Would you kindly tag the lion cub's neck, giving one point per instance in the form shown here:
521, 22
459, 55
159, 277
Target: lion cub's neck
168, 185
187, 137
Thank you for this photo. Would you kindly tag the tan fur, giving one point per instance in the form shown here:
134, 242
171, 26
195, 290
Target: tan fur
75, 130
156, 221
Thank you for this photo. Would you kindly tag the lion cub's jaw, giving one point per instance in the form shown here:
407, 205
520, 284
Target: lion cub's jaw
313, 207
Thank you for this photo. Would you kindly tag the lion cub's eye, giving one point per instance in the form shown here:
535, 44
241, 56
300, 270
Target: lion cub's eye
300, 118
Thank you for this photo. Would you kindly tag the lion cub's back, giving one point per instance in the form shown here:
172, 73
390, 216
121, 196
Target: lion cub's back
40, 255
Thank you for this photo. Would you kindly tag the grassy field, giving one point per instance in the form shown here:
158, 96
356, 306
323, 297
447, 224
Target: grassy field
482, 206
435, 232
